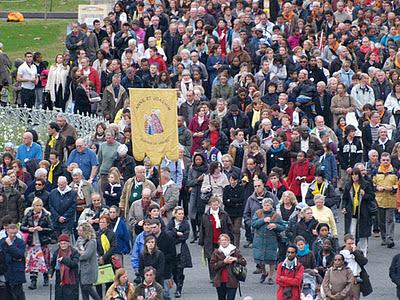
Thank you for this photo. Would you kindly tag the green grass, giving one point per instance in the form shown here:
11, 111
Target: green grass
47, 37
39, 5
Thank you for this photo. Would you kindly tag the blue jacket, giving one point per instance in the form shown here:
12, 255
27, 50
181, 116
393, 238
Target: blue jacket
15, 261
123, 237
175, 171
329, 166
137, 249
34, 152
63, 206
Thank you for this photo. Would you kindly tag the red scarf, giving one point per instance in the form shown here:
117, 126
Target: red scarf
66, 274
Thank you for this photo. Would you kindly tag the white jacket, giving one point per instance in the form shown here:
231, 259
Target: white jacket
362, 97
392, 103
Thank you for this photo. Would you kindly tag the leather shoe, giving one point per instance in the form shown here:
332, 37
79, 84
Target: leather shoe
390, 245
263, 277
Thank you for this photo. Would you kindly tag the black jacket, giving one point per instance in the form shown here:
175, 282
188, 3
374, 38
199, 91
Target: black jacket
349, 154
42, 194
233, 199
242, 122
126, 166
279, 159
171, 44
113, 245
184, 259
388, 146
44, 222
155, 260
394, 270
166, 244
222, 143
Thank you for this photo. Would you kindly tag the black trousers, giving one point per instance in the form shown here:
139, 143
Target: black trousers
28, 97
16, 292
89, 290
225, 293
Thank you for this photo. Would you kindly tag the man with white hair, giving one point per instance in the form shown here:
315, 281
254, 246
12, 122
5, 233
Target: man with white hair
83, 189
66, 129
85, 158
237, 51
62, 202
168, 194
133, 189
124, 163
340, 14
321, 127
362, 93
29, 150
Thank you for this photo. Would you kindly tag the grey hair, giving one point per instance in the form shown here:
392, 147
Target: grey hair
77, 171
267, 200
40, 172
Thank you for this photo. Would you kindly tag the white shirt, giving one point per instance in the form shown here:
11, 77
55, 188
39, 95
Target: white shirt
304, 145
27, 72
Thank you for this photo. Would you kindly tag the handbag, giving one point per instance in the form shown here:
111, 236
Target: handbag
239, 271
116, 262
105, 274
205, 196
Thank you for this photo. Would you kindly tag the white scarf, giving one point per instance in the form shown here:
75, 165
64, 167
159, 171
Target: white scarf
216, 217
184, 89
66, 190
351, 262
200, 120
78, 189
227, 250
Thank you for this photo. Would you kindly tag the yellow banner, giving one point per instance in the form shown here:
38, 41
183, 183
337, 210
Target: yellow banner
154, 124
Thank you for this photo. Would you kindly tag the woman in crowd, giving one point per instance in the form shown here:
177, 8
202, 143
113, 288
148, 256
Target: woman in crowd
106, 246
222, 259
214, 222
82, 102
278, 156
88, 265
198, 125
113, 189
57, 82
342, 103
338, 280
300, 171
321, 186
323, 214
121, 288
37, 227
357, 205
324, 257
267, 224
64, 263
152, 257
238, 147
179, 228
306, 226
122, 235
71, 85
304, 255
214, 62
6, 164
215, 180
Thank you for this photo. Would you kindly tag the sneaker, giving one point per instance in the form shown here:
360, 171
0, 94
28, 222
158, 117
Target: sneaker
270, 281
390, 244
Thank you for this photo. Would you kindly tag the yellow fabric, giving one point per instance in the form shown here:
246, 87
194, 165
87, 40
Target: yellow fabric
316, 190
158, 43
356, 188
51, 171
52, 142
105, 243
325, 215
386, 199
153, 121
256, 117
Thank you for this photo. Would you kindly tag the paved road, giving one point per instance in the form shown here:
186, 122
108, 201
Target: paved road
197, 286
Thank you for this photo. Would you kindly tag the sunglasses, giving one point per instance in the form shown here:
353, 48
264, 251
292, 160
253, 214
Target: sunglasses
290, 252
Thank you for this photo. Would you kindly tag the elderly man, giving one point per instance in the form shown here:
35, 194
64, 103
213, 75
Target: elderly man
385, 185
139, 211
321, 127
83, 189
62, 202
85, 158
305, 142
66, 129
93, 212
168, 194
133, 189
29, 150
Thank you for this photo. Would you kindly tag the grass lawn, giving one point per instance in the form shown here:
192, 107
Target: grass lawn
38, 5
47, 37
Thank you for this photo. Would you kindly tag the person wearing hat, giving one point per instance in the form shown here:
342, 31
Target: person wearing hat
64, 264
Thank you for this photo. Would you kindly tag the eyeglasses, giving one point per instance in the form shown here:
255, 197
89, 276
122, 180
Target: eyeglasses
38, 184
290, 252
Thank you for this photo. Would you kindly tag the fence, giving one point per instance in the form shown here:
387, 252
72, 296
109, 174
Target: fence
14, 121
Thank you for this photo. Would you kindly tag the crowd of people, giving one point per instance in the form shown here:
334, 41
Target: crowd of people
287, 123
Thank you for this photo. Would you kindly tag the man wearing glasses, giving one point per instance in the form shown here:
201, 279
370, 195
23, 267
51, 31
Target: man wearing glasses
289, 275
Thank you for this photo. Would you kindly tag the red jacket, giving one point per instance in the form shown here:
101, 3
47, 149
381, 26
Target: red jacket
94, 78
162, 67
301, 169
286, 278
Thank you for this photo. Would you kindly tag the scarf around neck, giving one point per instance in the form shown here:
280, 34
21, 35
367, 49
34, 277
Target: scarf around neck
215, 214
227, 250
290, 264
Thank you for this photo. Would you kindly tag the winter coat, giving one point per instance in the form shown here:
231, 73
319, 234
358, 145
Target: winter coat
253, 204
12, 205
394, 270
155, 260
237, 153
44, 222
110, 104
304, 168
88, 266
386, 147
386, 199
90, 213
340, 106
265, 241
214, 185
313, 143
338, 282
122, 236
82, 103
278, 158
184, 259
196, 205
349, 153
242, 122
166, 244
328, 191
328, 165
112, 292
42, 194
195, 127
222, 91
70, 292
112, 195
112, 242
14, 260
305, 230
233, 200
5, 67
362, 96
185, 139
278, 190
381, 91
222, 142
63, 206
206, 231
217, 266
126, 166
286, 278
141, 291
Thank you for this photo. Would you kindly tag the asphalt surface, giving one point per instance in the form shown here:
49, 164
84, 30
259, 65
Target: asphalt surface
197, 286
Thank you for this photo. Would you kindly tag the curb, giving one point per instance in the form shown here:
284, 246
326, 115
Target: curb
50, 15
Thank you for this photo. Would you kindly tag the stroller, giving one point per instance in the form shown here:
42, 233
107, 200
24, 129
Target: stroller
310, 285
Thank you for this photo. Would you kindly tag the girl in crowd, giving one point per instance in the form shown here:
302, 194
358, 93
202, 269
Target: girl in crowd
121, 288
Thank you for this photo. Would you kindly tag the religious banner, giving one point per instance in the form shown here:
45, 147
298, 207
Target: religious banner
154, 124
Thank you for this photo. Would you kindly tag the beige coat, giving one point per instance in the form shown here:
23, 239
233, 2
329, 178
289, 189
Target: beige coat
340, 106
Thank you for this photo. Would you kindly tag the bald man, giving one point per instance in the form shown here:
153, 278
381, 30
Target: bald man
29, 150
